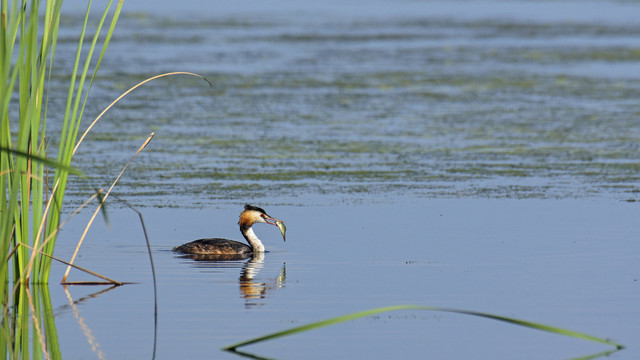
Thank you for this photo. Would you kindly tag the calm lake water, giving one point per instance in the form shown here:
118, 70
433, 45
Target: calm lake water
473, 155
568, 263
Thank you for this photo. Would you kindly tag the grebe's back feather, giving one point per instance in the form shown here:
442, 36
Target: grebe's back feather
214, 246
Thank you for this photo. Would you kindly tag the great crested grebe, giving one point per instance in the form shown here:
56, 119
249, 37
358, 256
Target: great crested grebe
217, 246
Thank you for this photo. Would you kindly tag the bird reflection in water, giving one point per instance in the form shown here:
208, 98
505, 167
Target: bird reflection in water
251, 288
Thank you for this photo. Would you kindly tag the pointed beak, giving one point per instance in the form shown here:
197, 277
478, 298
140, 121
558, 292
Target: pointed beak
279, 224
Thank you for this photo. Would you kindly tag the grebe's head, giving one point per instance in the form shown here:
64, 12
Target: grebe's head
253, 214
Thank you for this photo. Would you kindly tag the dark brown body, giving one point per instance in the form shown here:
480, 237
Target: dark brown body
214, 246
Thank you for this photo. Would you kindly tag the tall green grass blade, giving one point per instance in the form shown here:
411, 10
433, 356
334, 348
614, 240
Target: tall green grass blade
8, 75
29, 213
20, 176
72, 119
348, 317
69, 126
24, 64
105, 44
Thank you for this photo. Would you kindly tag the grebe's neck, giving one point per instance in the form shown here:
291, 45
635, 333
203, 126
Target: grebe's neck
251, 237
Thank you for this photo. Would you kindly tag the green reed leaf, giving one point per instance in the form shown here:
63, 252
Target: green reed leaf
43, 160
348, 317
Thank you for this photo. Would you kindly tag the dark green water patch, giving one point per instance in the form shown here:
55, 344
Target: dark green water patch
350, 107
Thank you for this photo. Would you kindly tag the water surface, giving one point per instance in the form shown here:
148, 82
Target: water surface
568, 263
475, 155
490, 100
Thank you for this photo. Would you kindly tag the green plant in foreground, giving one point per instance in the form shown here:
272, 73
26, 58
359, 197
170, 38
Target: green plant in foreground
339, 319
30, 206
